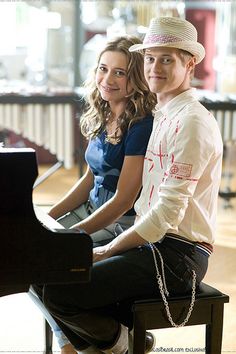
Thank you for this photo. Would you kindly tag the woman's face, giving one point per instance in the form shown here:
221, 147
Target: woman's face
111, 76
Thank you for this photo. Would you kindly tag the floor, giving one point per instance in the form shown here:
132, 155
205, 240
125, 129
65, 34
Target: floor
21, 325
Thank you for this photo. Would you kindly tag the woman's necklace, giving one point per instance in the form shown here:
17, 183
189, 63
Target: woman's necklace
111, 130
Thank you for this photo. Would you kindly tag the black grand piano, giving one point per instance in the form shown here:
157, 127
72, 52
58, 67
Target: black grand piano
30, 251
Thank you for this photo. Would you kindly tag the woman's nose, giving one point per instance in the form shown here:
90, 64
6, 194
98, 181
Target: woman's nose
108, 78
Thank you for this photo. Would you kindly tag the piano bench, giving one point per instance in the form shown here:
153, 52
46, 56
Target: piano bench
151, 314
208, 310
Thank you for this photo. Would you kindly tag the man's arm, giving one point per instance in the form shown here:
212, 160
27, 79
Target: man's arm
125, 241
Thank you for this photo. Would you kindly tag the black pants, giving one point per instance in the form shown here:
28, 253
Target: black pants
91, 313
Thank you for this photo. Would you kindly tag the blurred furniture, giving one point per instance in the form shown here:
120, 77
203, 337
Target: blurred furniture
224, 110
204, 19
50, 119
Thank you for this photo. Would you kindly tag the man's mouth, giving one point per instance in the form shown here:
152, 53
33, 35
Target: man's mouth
157, 77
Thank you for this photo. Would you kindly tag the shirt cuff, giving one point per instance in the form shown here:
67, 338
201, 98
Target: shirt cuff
148, 230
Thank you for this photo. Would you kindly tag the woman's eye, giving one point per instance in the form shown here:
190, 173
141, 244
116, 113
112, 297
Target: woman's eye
119, 73
148, 59
102, 68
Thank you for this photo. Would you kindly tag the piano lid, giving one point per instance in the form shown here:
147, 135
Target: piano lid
31, 253
18, 172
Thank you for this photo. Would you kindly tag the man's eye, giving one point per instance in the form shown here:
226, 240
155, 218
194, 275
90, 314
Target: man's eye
166, 60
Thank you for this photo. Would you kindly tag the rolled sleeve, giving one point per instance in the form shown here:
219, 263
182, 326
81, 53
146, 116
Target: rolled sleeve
163, 216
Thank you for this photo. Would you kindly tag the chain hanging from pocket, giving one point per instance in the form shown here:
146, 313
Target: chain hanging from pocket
161, 281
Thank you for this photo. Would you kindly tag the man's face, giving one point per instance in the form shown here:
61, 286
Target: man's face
166, 72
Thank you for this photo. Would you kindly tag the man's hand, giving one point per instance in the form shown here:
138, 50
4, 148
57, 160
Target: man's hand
101, 253
125, 241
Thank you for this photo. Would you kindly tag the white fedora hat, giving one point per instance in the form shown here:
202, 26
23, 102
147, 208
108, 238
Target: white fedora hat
172, 32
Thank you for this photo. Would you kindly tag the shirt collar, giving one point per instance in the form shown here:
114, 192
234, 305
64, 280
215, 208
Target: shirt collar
171, 108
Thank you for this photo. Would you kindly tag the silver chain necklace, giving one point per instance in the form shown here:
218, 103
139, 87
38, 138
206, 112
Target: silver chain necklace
161, 281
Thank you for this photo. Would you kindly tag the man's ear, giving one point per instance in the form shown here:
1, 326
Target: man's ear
191, 64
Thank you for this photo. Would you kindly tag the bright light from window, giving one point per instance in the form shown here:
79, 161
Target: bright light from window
88, 14
23, 26
53, 20
7, 28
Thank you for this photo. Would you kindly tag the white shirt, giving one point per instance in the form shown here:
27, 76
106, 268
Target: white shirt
182, 173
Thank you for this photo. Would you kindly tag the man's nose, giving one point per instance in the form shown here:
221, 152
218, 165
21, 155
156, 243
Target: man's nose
157, 66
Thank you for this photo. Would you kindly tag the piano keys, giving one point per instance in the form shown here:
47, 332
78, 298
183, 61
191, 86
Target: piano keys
30, 252
46, 220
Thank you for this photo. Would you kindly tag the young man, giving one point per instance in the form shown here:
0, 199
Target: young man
176, 211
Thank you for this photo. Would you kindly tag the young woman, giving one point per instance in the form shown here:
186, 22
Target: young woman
118, 122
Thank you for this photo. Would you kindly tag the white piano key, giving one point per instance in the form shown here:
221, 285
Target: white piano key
60, 132
8, 116
38, 124
227, 126
2, 116
29, 126
46, 127
16, 118
219, 115
68, 136
234, 126
53, 128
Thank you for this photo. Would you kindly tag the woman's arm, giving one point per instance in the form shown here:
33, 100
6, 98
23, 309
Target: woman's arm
128, 187
76, 196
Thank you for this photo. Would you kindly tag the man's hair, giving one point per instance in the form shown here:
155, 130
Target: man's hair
185, 57
140, 101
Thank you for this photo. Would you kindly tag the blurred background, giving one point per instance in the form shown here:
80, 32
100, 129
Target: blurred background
47, 48
52, 43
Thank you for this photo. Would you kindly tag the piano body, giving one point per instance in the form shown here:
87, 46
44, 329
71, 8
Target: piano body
30, 252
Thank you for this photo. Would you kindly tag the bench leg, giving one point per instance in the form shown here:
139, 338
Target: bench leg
48, 338
139, 336
214, 330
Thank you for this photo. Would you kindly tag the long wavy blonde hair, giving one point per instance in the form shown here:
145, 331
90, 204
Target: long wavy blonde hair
140, 101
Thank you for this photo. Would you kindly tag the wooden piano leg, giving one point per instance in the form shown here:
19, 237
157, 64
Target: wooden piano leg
48, 338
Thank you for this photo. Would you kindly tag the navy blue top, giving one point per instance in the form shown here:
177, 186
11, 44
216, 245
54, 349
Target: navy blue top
105, 159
